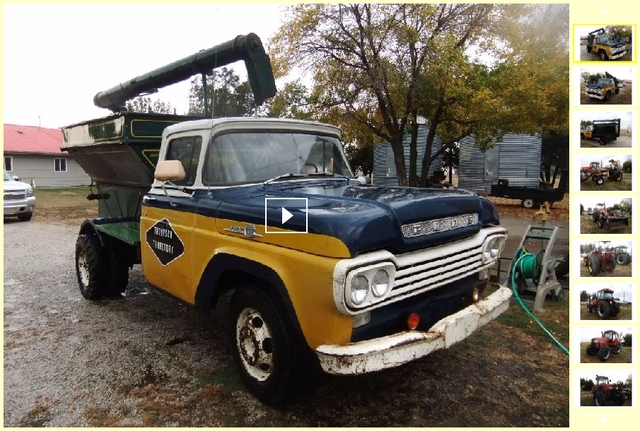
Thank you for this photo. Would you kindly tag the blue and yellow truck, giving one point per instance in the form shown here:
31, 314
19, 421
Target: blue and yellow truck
318, 271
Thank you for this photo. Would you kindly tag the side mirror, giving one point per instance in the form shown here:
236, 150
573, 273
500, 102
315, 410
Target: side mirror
16, 178
169, 170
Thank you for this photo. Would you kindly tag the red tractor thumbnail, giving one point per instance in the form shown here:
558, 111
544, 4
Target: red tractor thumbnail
610, 342
603, 390
603, 303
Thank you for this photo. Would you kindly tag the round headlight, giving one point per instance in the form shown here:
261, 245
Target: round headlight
359, 289
380, 283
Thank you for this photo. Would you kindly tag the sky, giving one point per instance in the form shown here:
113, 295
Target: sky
57, 57
619, 73
624, 116
591, 201
604, 158
621, 290
589, 332
615, 375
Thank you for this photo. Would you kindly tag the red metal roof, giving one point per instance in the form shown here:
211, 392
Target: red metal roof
31, 139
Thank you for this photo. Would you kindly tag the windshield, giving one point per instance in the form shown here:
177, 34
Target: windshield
7, 177
236, 158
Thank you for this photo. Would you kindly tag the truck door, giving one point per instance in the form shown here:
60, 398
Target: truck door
167, 223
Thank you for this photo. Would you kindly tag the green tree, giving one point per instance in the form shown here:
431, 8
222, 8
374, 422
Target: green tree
146, 105
366, 59
226, 95
383, 65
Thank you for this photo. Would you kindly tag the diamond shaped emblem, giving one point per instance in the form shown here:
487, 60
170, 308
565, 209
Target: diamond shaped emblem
164, 242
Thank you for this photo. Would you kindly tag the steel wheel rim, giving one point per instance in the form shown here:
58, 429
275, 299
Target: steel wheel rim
255, 344
83, 269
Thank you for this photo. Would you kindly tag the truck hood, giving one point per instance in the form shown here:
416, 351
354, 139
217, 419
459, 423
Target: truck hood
599, 86
367, 218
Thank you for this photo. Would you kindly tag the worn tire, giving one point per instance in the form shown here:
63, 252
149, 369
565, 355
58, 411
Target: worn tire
617, 397
25, 216
528, 203
119, 271
262, 345
615, 310
603, 309
92, 267
593, 265
604, 353
599, 398
562, 268
610, 266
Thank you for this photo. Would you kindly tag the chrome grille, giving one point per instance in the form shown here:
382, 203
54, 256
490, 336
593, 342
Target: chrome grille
14, 196
415, 273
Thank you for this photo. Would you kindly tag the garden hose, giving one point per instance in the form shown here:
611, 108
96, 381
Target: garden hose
525, 263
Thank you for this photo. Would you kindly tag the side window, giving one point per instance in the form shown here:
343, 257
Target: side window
187, 150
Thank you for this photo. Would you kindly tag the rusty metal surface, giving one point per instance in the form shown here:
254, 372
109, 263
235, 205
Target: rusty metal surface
394, 350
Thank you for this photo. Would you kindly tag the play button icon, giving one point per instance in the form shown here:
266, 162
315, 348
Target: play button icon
286, 216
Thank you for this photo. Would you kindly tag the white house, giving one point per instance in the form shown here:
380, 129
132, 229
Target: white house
33, 154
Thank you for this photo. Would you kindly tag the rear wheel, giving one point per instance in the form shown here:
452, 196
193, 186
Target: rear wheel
262, 345
617, 397
603, 309
92, 267
599, 398
119, 274
593, 265
604, 353
528, 203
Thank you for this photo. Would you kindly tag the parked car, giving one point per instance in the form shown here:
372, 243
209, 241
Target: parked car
18, 198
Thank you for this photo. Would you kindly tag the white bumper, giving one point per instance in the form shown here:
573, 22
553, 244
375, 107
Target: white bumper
397, 349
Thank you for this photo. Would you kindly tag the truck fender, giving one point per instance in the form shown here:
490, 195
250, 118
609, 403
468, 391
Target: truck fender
221, 265
88, 228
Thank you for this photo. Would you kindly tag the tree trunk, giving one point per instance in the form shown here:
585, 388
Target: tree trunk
413, 152
398, 158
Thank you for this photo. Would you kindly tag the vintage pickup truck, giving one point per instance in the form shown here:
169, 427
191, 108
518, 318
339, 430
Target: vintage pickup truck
265, 215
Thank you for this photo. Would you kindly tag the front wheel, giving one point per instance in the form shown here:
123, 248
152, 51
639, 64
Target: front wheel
604, 353
603, 55
262, 345
25, 216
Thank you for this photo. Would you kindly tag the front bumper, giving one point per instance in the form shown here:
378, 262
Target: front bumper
397, 349
23, 206
595, 95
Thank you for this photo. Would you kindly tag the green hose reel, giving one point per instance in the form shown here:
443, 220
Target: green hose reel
529, 267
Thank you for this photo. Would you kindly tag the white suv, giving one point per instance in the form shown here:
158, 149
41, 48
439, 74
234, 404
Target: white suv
18, 199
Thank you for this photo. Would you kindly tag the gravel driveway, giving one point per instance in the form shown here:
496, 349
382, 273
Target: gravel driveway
143, 360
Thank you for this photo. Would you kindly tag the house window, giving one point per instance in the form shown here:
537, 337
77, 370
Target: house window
8, 163
60, 165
